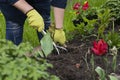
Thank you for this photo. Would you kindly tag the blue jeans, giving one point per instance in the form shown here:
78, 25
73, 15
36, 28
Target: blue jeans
15, 20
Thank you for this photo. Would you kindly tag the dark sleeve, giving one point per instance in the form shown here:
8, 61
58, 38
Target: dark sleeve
11, 2
59, 3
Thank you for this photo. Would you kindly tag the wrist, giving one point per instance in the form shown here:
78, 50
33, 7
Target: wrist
59, 28
29, 10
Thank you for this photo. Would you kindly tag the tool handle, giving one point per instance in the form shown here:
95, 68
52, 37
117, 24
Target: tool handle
43, 32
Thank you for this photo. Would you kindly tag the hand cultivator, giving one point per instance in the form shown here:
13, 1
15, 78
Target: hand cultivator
56, 46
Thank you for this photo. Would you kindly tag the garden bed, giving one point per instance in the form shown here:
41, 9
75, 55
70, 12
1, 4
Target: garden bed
76, 63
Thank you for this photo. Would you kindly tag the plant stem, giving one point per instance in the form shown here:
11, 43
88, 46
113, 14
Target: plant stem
93, 66
85, 59
106, 63
113, 26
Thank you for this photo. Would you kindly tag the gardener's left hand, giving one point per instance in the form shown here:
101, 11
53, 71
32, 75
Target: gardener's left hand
59, 36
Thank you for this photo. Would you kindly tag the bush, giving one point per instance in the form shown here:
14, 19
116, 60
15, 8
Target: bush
15, 64
114, 6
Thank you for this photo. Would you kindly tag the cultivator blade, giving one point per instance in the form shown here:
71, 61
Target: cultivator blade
56, 46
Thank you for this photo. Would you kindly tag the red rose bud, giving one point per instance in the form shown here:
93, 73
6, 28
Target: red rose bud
85, 6
76, 6
100, 48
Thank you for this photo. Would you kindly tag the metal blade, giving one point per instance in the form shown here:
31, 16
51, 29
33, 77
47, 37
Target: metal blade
53, 43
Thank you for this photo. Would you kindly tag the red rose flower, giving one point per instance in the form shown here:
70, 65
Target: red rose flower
76, 6
85, 6
100, 48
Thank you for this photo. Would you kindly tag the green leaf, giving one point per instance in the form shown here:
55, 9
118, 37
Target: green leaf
47, 44
112, 77
15, 65
54, 78
101, 73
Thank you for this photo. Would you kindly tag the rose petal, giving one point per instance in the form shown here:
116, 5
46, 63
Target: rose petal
95, 44
100, 48
95, 51
76, 6
85, 6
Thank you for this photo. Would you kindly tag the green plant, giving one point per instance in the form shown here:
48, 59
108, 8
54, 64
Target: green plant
112, 77
104, 19
2, 28
17, 64
99, 48
114, 6
102, 74
113, 38
114, 52
87, 27
93, 66
85, 24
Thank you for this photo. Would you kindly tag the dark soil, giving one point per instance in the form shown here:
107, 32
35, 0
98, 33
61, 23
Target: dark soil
75, 64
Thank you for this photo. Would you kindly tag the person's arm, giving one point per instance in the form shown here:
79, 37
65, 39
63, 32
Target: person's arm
59, 17
59, 8
34, 18
23, 6
20, 4
59, 35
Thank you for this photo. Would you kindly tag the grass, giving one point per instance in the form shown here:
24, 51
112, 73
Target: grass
2, 26
30, 34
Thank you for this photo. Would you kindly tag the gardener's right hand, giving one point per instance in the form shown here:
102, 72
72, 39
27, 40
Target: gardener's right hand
35, 20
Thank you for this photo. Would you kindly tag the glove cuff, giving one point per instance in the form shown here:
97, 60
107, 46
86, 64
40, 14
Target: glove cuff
29, 11
58, 28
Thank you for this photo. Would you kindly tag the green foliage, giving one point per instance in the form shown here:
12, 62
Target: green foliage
86, 22
114, 62
94, 17
70, 16
16, 64
2, 26
30, 35
101, 73
104, 18
112, 77
114, 52
89, 28
114, 6
93, 65
113, 39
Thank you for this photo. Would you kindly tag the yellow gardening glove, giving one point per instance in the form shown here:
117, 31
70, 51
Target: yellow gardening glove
35, 20
59, 36
52, 29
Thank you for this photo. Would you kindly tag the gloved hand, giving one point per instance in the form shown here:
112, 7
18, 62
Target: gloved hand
59, 36
35, 20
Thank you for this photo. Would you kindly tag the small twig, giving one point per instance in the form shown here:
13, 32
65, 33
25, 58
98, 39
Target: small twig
85, 59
